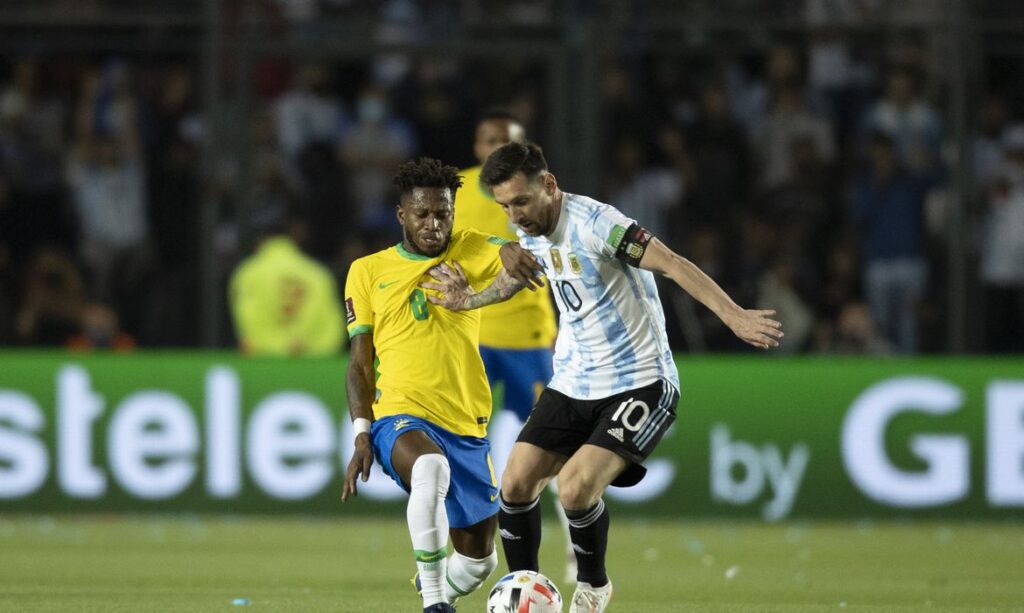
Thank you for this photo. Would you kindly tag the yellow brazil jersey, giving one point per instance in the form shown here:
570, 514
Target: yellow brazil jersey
429, 366
285, 303
527, 320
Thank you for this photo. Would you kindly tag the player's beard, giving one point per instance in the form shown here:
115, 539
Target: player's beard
423, 250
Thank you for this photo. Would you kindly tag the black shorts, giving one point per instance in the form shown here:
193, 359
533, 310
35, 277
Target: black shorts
630, 424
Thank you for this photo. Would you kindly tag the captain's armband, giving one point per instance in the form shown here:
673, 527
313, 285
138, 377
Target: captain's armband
633, 245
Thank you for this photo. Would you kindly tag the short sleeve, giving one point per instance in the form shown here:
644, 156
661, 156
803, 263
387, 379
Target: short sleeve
358, 311
605, 230
478, 254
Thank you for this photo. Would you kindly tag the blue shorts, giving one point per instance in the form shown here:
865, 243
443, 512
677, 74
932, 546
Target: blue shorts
524, 373
473, 491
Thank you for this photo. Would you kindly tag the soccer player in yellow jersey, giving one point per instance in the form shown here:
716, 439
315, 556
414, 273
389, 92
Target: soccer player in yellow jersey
425, 417
515, 336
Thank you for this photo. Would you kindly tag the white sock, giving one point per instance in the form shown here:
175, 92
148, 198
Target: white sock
428, 523
466, 574
560, 513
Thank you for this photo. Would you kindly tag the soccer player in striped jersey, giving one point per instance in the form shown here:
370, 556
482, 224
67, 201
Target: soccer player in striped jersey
425, 416
615, 387
516, 335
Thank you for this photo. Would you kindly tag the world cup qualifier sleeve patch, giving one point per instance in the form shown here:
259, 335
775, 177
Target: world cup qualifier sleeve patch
633, 245
350, 311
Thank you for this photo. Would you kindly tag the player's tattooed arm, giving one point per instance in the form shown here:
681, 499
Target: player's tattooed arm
456, 293
752, 326
361, 390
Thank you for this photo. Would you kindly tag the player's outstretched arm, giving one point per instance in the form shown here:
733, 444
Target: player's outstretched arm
361, 388
753, 326
456, 293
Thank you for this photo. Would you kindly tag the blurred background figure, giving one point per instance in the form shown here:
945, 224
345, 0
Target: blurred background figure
54, 296
107, 177
856, 333
887, 202
371, 149
309, 112
283, 302
1002, 249
648, 189
719, 171
100, 330
910, 121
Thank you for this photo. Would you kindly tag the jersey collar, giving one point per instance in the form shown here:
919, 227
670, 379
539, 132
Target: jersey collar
405, 253
402, 251
563, 220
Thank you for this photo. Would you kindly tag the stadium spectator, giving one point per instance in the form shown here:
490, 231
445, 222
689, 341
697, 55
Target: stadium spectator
54, 294
750, 96
886, 205
777, 289
100, 330
775, 137
1002, 250
720, 162
283, 302
173, 147
276, 185
987, 148
31, 147
309, 112
106, 176
856, 333
645, 191
903, 114
840, 287
371, 149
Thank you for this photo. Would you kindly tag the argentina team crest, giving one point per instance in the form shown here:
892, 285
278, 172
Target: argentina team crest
556, 260
574, 264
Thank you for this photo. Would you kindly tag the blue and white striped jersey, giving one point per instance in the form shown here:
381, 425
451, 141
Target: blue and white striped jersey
611, 330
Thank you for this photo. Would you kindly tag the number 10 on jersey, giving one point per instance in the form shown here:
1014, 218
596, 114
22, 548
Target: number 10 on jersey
570, 298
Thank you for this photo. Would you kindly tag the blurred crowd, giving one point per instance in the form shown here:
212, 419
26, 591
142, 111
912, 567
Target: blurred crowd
811, 176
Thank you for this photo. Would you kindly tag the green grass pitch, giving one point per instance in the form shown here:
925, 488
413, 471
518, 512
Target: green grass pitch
113, 564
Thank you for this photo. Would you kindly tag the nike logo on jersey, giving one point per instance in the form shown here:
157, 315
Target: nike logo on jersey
385, 285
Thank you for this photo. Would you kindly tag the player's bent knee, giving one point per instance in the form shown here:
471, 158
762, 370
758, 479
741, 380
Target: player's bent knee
431, 472
577, 494
519, 490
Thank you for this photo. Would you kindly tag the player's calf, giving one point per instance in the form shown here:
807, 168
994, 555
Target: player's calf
520, 529
428, 524
588, 529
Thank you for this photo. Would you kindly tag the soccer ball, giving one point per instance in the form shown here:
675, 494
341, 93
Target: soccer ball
524, 591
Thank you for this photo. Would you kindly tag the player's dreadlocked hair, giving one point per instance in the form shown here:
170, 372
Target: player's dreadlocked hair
426, 172
511, 158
